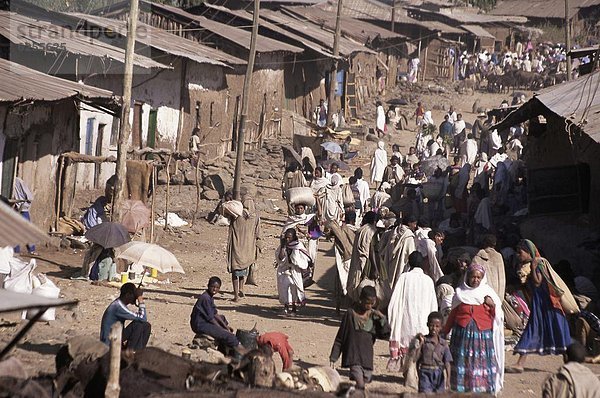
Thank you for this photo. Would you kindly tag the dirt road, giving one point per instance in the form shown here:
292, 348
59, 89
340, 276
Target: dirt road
201, 251
169, 307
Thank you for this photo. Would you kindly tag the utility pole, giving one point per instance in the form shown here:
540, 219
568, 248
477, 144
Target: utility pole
336, 52
125, 127
393, 15
239, 160
568, 38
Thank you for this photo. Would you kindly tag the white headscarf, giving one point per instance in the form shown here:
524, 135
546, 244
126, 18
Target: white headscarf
427, 118
476, 296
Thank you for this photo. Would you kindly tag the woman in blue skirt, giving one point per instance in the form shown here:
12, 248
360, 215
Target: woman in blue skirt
547, 331
477, 342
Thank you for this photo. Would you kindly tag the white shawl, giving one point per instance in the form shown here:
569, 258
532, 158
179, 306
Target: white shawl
379, 163
476, 296
380, 118
413, 299
294, 220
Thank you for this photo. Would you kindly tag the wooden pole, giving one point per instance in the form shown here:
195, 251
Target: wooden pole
237, 181
197, 191
113, 388
152, 205
331, 104
168, 191
61, 163
568, 38
125, 127
393, 16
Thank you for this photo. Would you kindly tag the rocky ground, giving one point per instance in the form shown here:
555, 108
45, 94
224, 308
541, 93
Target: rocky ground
201, 250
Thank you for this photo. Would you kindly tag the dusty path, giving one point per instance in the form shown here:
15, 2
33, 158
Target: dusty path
201, 250
169, 306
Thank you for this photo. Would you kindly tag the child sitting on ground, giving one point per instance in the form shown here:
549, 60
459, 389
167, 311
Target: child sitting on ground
434, 358
360, 327
205, 320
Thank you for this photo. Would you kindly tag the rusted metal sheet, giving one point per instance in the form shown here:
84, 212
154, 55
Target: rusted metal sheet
237, 35
47, 37
463, 17
247, 16
18, 82
552, 9
314, 33
478, 31
361, 31
15, 230
165, 41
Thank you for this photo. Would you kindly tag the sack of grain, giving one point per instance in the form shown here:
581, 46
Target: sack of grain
233, 208
300, 195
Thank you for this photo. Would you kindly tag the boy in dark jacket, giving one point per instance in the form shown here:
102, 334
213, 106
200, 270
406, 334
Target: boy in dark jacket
360, 327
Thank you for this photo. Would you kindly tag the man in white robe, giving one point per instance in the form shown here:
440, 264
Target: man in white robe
378, 164
468, 150
413, 299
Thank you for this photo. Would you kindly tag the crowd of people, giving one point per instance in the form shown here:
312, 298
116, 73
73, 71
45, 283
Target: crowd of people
425, 257
541, 59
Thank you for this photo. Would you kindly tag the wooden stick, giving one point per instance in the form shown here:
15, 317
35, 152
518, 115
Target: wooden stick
74, 171
113, 388
153, 185
167, 196
61, 163
197, 191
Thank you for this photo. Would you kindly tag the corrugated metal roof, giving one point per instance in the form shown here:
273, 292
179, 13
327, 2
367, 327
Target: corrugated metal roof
583, 52
165, 41
577, 101
43, 35
553, 9
14, 229
377, 11
464, 17
246, 16
478, 31
361, 9
314, 33
237, 35
361, 31
14, 302
18, 82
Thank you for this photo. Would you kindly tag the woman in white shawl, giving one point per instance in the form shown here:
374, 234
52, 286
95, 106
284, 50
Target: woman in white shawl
380, 126
291, 258
378, 164
318, 185
477, 324
334, 205
303, 224
424, 133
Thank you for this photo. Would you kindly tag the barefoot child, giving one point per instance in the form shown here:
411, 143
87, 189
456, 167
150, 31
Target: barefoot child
434, 358
360, 326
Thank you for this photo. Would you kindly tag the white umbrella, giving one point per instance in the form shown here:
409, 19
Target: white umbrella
143, 254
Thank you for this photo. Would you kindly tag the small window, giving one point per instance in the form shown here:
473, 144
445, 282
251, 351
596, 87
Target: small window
211, 120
